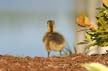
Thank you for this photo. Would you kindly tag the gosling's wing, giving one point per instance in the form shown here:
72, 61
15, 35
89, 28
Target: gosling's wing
56, 38
45, 37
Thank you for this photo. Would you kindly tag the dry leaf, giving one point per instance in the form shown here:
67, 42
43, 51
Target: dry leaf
105, 2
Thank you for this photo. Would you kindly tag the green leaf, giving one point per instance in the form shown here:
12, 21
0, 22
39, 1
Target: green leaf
101, 9
105, 44
95, 67
83, 42
88, 37
89, 45
100, 15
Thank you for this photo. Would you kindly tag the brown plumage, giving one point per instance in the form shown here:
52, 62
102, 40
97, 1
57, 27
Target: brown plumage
53, 40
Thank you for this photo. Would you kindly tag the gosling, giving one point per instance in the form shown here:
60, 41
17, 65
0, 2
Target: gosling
52, 40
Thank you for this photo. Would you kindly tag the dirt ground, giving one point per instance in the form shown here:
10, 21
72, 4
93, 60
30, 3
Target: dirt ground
68, 63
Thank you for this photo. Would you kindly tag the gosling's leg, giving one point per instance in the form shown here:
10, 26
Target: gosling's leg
60, 52
48, 53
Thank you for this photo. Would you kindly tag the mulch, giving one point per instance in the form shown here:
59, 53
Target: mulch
56, 63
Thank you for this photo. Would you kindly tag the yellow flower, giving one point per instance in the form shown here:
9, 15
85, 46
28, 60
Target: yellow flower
105, 2
84, 21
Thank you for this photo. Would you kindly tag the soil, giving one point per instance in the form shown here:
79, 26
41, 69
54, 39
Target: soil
55, 63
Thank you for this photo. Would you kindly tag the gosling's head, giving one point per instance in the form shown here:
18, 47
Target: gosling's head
51, 25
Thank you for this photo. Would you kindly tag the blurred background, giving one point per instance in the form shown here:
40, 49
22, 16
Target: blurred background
23, 23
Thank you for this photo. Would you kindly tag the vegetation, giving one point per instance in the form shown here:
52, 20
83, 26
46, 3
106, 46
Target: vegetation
98, 35
95, 67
